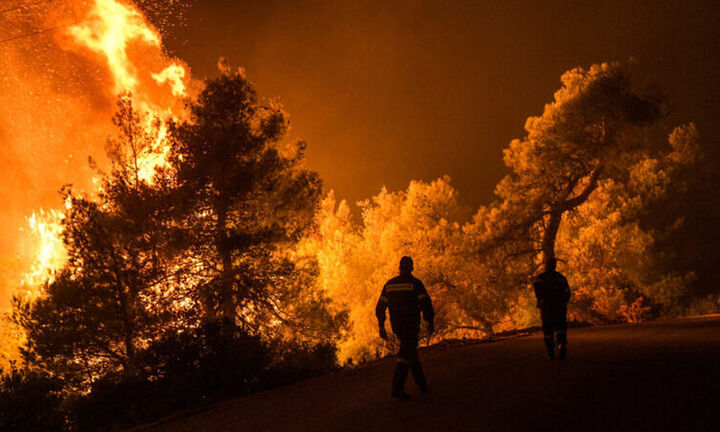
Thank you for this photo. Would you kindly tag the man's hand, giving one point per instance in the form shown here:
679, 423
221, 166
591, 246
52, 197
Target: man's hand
383, 333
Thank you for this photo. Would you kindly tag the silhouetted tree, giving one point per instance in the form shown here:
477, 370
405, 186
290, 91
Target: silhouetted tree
104, 305
30, 401
588, 133
590, 169
240, 197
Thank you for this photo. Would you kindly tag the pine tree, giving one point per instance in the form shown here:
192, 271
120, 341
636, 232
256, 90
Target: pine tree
106, 304
591, 131
241, 199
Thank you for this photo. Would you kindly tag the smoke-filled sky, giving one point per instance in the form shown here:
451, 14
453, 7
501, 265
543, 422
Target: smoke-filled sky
389, 91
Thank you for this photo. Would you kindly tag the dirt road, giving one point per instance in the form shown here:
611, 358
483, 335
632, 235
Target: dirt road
657, 376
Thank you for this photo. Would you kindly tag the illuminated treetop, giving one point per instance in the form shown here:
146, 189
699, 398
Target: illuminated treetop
587, 133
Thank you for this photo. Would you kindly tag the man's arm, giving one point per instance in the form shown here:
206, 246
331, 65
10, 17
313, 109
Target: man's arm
566, 290
380, 308
426, 306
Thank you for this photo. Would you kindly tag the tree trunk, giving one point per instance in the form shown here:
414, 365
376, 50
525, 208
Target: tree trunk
128, 320
551, 230
555, 217
127, 299
227, 303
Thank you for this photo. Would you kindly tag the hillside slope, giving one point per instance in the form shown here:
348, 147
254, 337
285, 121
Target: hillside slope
658, 376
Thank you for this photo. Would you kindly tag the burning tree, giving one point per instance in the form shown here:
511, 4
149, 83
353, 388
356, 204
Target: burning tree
241, 200
186, 282
132, 306
101, 310
58, 90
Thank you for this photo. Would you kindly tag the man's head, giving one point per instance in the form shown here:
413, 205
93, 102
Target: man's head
406, 265
550, 264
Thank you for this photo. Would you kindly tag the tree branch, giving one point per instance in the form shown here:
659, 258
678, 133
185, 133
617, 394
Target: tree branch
583, 196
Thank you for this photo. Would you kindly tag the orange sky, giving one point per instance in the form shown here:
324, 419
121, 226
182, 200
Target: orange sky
385, 92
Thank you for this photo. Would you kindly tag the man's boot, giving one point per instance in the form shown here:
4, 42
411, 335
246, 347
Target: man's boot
550, 345
419, 376
398, 388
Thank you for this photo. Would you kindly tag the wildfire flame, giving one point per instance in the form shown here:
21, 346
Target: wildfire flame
173, 75
50, 253
110, 27
117, 35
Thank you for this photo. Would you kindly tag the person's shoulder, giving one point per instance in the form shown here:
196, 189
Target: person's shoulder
417, 281
560, 276
541, 277
394, 280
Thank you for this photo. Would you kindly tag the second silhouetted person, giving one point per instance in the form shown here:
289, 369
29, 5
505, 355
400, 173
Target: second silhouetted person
553, 293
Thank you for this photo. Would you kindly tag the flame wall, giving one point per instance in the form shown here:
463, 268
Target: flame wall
63, 63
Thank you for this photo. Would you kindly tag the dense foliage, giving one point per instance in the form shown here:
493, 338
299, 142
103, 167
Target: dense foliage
594, 182
179, 287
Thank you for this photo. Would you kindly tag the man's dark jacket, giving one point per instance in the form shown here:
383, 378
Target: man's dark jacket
405, 296
552, 291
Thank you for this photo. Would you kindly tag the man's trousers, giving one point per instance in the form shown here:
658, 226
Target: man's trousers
408, 360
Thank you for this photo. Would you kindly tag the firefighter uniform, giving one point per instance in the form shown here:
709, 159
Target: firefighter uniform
405, 296
553, 293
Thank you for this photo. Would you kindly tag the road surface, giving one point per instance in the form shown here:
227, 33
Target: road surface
658, 376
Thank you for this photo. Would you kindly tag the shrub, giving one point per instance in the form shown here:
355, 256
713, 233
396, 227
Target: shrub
30, 401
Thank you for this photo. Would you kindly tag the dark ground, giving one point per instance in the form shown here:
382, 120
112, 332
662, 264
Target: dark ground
658, 376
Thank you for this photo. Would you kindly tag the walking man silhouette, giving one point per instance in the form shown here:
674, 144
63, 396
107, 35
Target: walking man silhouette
405, 296
553, 293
